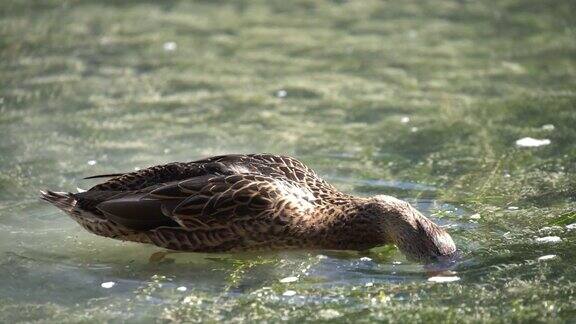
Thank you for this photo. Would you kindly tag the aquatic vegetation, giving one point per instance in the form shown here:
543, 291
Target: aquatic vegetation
424, 101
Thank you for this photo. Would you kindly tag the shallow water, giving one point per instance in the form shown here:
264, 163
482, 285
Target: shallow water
424, 101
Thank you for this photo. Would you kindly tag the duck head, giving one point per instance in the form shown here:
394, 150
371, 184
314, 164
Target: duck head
414, 234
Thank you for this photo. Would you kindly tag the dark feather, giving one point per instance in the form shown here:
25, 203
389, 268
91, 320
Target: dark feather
111, 175
137, 213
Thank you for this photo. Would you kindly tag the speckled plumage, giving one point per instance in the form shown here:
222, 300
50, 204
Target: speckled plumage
246, 202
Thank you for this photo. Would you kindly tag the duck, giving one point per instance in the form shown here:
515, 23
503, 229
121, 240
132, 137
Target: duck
247, 202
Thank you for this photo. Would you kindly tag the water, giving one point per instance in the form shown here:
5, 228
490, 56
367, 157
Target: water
424, 101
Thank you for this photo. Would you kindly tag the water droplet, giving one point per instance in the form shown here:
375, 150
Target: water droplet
444, 279
289, 279
532, 142
170, 46
549, 239
547, 257
289, 293
108, 284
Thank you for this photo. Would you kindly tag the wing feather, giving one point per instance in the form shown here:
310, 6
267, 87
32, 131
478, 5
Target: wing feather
218, 191
249, 196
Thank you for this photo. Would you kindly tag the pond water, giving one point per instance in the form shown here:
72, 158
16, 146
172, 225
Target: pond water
465, 108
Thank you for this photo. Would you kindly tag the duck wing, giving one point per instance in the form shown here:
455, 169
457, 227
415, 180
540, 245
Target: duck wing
208, 191
269, 165
159, 174
244, 201
212, 202
275, 166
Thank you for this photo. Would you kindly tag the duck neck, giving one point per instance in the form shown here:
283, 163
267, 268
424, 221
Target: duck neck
344, 226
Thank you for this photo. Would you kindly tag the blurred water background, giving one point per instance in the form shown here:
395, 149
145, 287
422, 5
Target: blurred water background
465, 108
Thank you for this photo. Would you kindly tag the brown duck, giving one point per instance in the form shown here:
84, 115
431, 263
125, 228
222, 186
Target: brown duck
247, 202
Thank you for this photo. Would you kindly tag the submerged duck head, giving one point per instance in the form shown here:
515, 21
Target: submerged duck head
414, 234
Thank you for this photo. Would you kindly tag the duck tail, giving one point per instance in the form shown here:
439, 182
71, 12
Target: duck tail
63, 200
68, 202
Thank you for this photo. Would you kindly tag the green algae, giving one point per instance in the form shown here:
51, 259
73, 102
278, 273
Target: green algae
422, 100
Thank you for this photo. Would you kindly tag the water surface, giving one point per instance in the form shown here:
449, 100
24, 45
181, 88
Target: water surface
424, 101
